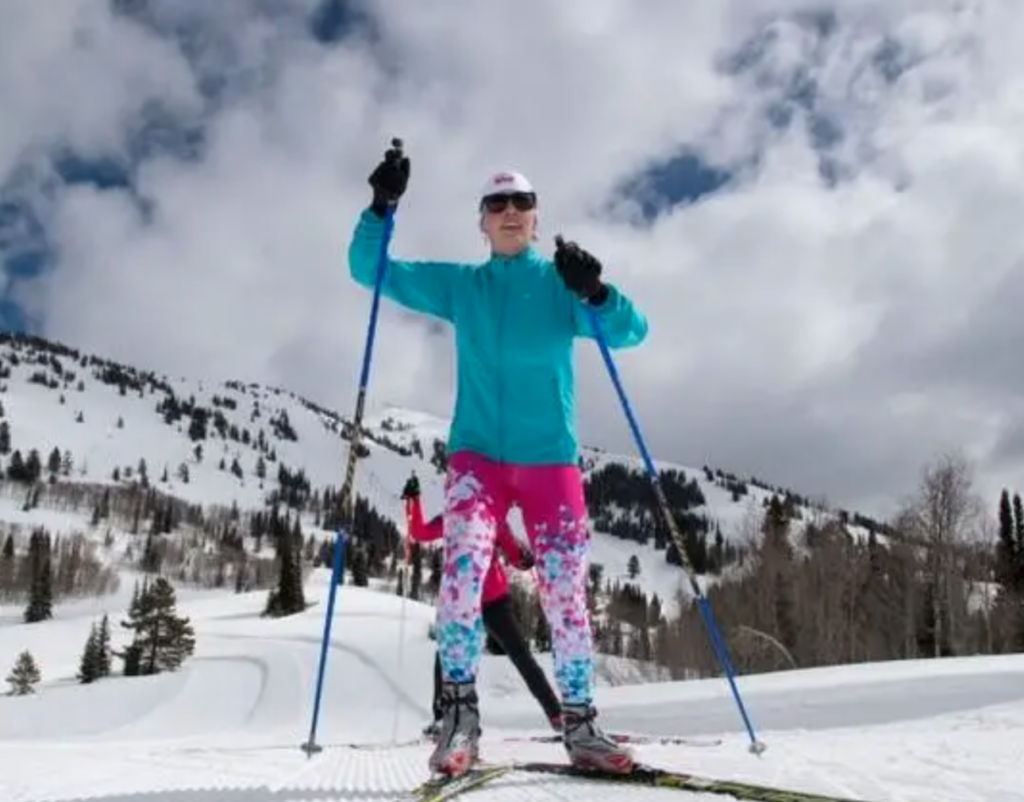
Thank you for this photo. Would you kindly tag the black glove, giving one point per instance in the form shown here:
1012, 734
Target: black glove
526, 560
411, 489
580, 271
389, 179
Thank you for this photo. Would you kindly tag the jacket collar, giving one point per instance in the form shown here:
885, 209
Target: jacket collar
528, 256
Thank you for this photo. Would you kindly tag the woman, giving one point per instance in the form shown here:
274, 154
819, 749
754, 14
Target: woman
496, 610
512, 440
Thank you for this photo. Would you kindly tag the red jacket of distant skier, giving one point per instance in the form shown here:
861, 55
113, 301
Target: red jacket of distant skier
495, 581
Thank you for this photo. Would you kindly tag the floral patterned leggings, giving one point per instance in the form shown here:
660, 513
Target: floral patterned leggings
478, 493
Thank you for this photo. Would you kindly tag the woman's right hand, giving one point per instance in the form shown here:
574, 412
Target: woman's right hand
390, 178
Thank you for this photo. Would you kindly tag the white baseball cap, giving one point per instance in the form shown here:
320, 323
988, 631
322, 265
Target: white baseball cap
506, 183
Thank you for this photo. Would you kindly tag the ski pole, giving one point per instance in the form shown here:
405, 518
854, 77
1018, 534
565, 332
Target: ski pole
311, 747
345, 505
756, 746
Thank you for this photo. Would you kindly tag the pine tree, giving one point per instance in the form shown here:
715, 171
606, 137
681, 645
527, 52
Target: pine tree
1006, 549
88, 667
33, 466
137, 609
1018, 530
103, 647
288, 597
40, 600
7, 568
360, 568
163, 640
53, 462
24, 676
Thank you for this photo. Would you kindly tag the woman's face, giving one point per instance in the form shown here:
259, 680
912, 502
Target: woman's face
509, 221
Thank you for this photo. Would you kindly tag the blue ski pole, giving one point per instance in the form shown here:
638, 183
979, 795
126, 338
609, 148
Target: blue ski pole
756, 746
355, 438
311, 747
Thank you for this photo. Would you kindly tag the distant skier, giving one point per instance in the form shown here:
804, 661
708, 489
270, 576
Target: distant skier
513, 438
498, 615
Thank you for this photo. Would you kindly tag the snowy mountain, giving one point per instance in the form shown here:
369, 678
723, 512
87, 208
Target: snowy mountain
71, 418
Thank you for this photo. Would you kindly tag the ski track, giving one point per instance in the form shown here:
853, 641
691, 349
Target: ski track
345, 775
228, 727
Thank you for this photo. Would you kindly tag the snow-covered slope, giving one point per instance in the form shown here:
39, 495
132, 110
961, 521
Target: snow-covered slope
225, 443
228, 725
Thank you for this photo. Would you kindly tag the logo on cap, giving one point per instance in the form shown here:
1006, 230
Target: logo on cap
504, 178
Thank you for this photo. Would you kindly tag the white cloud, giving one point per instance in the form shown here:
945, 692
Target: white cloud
831, 338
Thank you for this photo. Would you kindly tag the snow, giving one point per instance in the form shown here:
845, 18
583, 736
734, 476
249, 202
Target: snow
228, 725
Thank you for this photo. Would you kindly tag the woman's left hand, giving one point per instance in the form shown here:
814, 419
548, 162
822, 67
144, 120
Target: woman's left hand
580, 270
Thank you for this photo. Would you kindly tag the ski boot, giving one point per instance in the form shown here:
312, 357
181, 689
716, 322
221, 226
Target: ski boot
458, 743
588, 746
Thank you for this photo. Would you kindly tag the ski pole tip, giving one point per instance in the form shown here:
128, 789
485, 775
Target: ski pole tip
758, 747
396, 142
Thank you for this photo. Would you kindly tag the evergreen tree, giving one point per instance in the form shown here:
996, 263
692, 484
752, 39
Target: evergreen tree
53, 462
1006, 548
40, 600
16, 467
5, 438
24, 676
288, 597
103, 647
360, 568
89, 665
33, 466
162, 639
1018, 530
7, 568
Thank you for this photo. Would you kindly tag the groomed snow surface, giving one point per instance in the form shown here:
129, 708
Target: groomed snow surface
229, 725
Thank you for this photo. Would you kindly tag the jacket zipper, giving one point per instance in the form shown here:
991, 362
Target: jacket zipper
501, 360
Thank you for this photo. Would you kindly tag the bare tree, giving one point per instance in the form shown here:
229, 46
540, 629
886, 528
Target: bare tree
943, 517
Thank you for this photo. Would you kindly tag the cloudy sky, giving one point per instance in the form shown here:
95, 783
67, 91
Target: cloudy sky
820, 206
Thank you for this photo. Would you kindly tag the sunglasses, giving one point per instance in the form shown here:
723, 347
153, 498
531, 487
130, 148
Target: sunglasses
496, 204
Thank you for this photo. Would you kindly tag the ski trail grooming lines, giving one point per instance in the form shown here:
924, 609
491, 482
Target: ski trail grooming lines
756, 746
345, 505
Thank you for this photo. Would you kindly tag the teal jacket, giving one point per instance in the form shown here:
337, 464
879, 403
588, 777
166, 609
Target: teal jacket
514, 322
